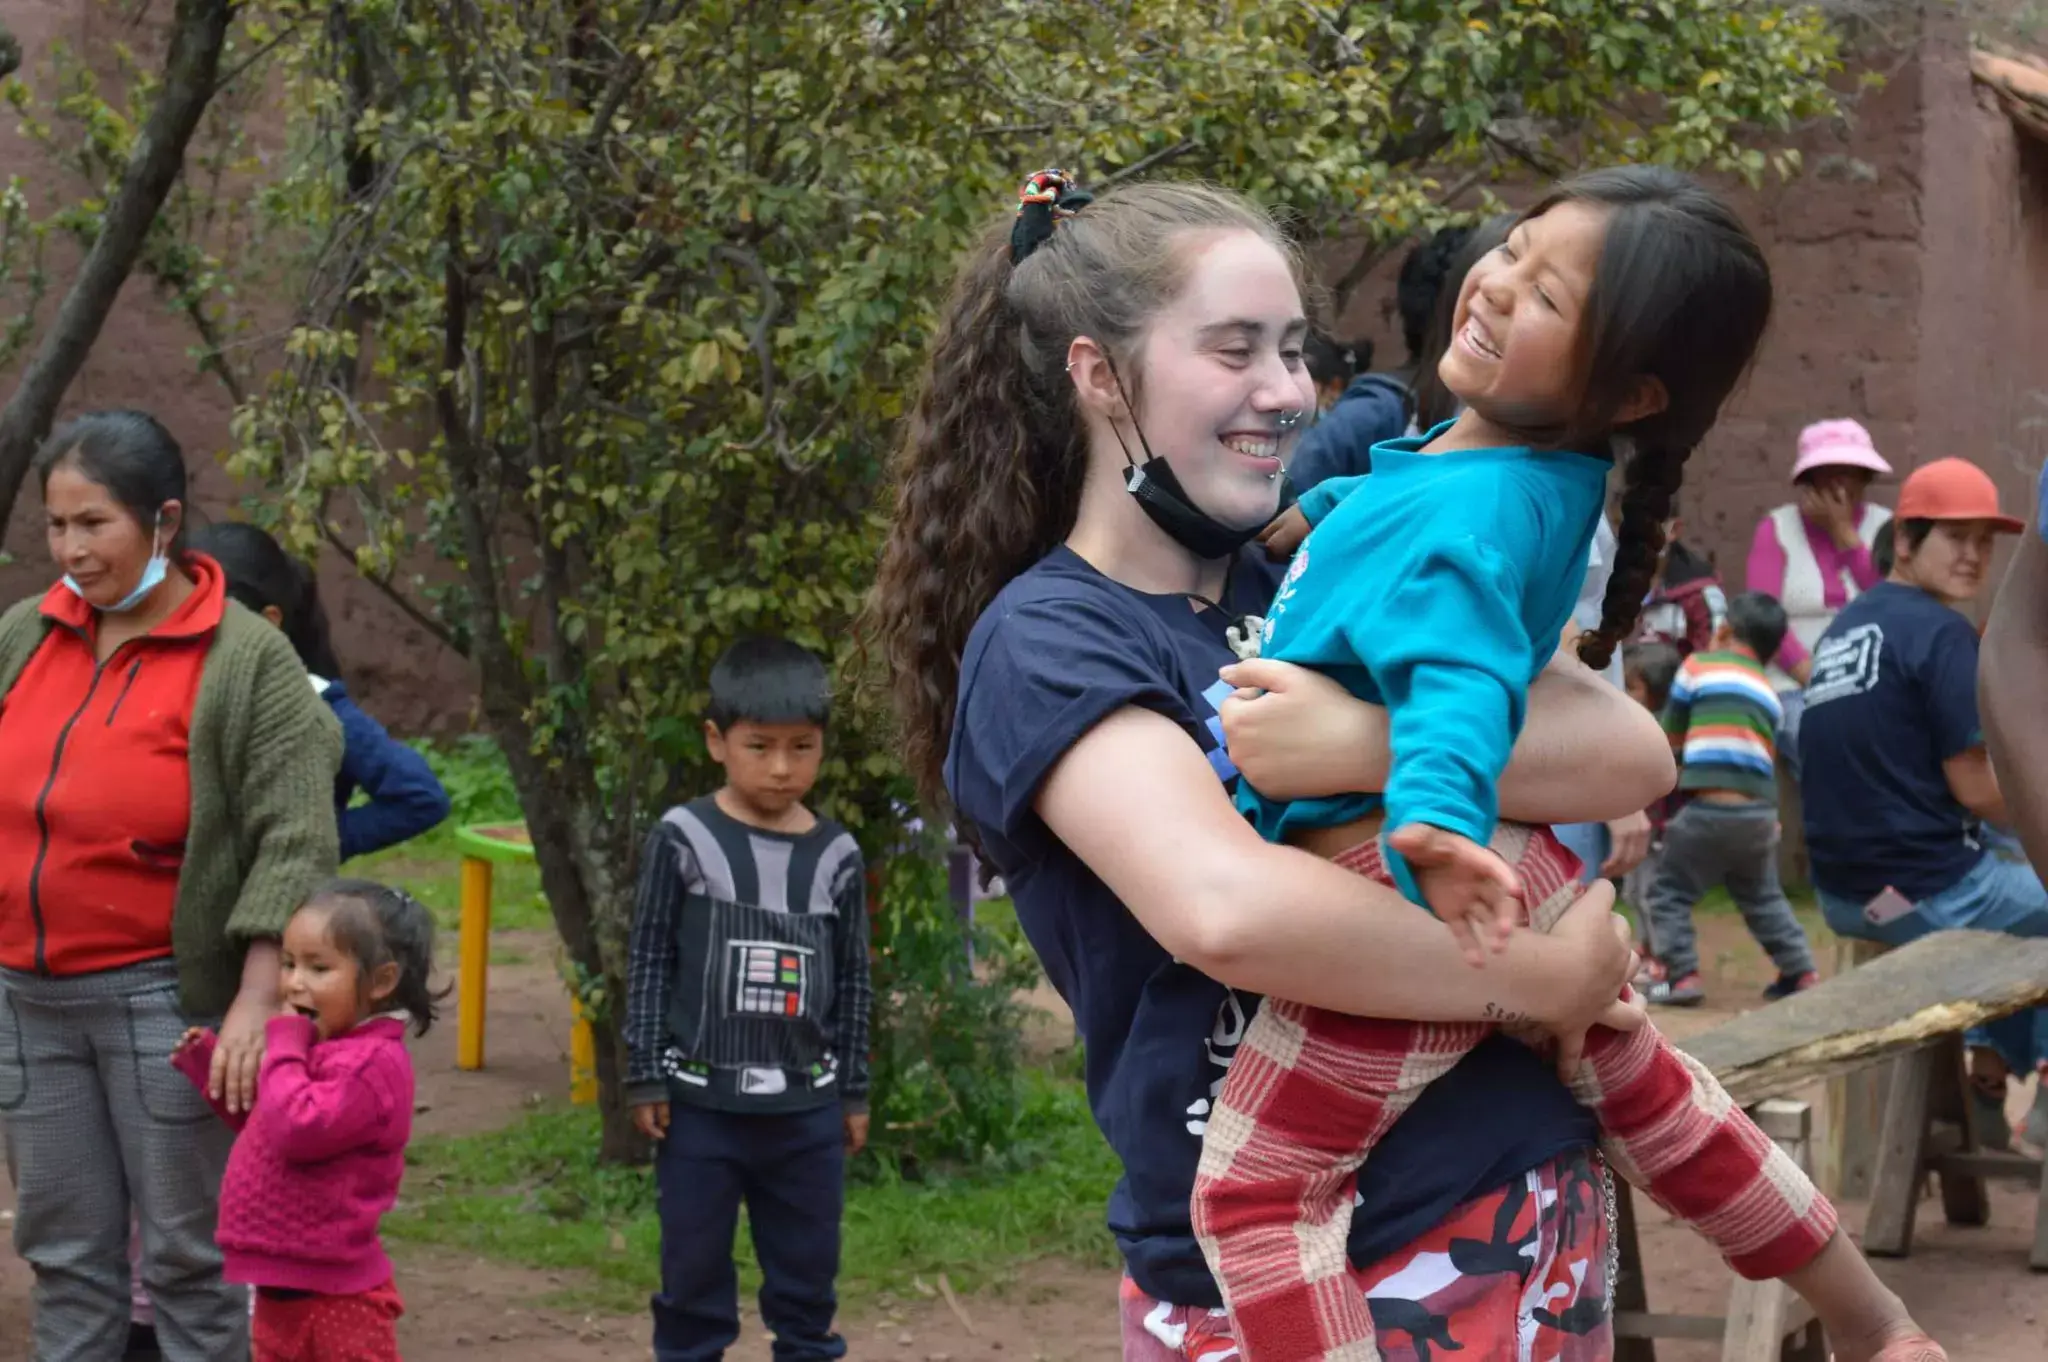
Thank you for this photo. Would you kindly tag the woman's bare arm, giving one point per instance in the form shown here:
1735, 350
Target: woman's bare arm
1140, 805
1587, 752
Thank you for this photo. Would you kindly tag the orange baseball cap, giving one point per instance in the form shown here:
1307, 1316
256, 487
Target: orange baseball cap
1953, 489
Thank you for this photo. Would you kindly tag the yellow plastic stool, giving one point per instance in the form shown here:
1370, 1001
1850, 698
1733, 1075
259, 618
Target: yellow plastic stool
484, 847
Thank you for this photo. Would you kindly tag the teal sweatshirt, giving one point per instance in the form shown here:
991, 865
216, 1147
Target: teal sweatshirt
1437, 586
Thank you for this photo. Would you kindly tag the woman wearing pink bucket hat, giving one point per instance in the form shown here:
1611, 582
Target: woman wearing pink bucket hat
1813, 553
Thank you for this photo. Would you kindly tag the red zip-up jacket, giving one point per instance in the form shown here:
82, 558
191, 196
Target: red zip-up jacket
95, 792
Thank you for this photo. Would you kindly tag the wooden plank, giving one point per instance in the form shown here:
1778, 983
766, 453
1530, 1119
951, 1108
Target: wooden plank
1631, 1289
1888, 1232
1963, 1201
1988, 1164
1854, 1109
1633, 1326
2038, 1259
1936, 986
1761, 1314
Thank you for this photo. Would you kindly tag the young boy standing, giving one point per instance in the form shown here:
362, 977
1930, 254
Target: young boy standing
1723, 720
747, 1018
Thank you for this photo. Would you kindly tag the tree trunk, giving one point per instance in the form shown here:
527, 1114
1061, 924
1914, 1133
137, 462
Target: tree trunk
199, 30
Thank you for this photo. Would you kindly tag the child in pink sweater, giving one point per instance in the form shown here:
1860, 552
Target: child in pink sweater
321, 1153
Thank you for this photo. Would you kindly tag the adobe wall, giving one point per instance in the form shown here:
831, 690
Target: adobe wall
143, 359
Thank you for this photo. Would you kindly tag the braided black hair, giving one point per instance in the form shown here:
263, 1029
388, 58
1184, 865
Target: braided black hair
1680, 299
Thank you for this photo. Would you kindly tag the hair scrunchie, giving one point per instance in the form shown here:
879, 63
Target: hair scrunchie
1047, 199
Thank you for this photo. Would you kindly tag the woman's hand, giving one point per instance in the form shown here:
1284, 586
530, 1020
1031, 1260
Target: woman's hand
238, 1056
1833, 508
1296, 734
1595, 990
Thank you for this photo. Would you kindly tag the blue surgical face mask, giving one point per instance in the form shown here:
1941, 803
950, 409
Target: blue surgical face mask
153, 573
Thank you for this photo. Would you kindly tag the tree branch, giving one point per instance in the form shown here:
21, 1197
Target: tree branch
199, 32
1139, 167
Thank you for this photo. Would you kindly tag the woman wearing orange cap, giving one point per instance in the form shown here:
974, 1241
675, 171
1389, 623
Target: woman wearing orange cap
1895, 780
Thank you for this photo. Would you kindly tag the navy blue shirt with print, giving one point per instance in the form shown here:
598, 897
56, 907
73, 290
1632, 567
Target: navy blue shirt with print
1892, 695
1060, 649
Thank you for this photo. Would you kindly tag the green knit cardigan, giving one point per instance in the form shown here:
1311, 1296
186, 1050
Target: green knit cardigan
264, 754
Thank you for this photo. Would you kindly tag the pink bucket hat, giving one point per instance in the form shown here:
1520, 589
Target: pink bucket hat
1837, 444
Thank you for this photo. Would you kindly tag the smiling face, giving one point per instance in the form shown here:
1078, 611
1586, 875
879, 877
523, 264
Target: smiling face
325, 983
1220, 366
95, 539
1951, 562
1514, 355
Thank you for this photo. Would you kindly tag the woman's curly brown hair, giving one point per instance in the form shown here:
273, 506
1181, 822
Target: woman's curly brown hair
989, 473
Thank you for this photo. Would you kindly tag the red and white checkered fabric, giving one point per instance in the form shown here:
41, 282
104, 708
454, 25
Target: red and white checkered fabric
1310, 1092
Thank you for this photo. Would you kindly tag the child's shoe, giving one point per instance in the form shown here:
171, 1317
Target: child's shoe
1687, 990
1649, 973
1785, 985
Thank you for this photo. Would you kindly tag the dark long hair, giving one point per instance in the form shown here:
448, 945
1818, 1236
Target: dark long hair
260, 574
1682, 295
988, 477
131, 455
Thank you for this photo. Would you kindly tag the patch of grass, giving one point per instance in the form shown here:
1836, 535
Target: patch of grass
532, 1194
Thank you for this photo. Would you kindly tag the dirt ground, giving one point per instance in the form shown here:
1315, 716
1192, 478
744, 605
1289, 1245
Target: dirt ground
1971, 1287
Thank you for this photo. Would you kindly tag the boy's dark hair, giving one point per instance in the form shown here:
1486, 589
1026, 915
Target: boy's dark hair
1329, 359
767, 680
131, 455
261, 574
1425, 274
1655, 665
1758, 623
378, 925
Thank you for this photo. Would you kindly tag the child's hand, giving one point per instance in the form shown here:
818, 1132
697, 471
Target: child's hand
1470, 889
193, 1035
1285, 534
856, 1131
651, 1120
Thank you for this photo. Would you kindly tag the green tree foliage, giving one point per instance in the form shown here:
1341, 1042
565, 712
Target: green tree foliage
609, 309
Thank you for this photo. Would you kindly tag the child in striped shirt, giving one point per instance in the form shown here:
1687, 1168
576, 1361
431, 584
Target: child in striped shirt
1723, 719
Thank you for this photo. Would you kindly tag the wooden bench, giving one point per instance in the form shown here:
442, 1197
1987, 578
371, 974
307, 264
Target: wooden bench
1910, 1006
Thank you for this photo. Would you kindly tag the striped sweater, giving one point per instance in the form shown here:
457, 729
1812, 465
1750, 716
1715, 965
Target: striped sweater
1723, 717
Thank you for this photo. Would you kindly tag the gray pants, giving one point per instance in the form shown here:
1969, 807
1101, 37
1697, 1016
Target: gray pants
98, 1123
1732, 845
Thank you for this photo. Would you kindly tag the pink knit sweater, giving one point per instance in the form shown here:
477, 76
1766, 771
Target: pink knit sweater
319, 1159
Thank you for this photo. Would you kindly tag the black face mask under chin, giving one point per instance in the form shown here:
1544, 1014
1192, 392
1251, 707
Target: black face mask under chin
1170, 508
1187, 524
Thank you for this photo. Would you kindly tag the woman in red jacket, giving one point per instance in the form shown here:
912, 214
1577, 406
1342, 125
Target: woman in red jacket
166, 780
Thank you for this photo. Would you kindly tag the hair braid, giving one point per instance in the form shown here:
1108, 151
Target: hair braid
1650, 486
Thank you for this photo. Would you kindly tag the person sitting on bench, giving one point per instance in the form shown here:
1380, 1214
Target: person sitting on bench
1895, 774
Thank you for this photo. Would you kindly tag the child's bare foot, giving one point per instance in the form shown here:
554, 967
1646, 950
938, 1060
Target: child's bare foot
1470, 888
1917, 1348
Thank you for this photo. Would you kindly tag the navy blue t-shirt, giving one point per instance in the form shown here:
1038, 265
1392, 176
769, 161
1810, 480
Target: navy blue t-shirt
1892, 695
1060, 649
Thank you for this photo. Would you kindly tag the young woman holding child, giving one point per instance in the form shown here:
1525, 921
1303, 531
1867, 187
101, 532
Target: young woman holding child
1055, 613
